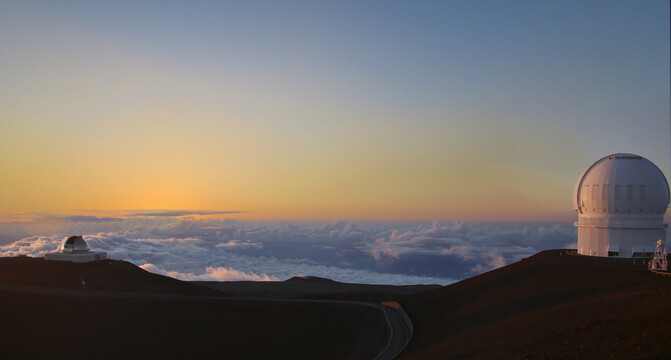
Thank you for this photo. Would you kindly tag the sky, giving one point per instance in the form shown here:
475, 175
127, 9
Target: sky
325, 110
391, 142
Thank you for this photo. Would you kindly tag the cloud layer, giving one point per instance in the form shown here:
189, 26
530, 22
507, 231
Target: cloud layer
387, 253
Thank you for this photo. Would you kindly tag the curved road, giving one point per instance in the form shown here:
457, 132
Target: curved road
399, 332
400, 328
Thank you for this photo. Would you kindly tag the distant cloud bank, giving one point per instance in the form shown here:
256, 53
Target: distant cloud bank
226, 250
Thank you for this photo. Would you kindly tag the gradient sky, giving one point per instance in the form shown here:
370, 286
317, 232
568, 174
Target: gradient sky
455, 110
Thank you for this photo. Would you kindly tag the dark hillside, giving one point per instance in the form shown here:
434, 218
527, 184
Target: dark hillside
124, 312
103, 275
315, 288
36, 326
549, 305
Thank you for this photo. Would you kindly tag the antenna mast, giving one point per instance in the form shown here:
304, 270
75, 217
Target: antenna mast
659, 262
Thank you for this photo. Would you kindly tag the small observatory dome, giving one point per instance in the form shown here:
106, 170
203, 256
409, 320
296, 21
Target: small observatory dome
76, 249
74, 244
620, 200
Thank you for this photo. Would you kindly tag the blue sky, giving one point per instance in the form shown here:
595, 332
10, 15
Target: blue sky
423, 116
326, 110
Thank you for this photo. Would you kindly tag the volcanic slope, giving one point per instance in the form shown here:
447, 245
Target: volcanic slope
551, 305
311, 287
103, 275
126, 312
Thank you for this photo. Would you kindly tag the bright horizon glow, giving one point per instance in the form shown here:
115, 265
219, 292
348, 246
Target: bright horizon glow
469, 111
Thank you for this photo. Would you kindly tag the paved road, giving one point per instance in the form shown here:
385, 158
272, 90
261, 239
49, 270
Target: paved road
400, 329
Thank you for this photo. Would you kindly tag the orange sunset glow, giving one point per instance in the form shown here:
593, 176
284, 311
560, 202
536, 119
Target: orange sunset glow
163, 114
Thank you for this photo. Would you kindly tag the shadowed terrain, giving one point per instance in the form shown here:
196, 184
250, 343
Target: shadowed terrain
103, 275
550, 305
49, 322
44, 326
312, 287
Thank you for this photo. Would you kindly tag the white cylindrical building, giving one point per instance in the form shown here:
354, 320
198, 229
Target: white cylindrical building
621, 200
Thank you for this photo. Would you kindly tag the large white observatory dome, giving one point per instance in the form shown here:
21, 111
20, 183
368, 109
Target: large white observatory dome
620, 200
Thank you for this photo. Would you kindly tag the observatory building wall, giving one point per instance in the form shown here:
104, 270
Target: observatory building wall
86, 257
618, 242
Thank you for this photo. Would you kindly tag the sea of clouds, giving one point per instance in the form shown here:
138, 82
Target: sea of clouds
360, 252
